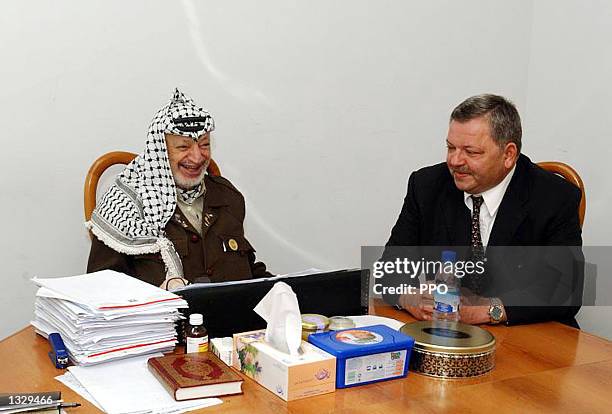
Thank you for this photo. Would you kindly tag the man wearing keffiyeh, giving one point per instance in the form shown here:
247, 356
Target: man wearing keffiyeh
164, 220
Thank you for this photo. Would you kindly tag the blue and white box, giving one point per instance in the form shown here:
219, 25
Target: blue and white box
365, 355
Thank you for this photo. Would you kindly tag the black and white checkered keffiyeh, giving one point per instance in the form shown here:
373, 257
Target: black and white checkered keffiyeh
131, 216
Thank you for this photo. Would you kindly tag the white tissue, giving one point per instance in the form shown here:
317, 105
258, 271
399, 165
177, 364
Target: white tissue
280, 309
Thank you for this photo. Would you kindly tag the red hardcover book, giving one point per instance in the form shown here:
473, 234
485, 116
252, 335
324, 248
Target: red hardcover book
197, 375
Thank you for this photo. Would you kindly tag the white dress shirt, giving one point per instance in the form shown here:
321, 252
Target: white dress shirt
492, 198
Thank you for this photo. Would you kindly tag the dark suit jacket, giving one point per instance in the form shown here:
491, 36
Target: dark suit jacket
538, 209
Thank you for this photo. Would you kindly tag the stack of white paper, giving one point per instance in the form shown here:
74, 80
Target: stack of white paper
106, 315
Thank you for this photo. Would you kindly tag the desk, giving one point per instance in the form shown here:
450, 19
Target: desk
546, 367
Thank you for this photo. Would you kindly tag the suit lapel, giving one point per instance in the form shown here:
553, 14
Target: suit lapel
182, 220
456, 216
511, 210
213, 201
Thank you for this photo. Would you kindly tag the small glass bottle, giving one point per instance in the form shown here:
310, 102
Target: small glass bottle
196, 334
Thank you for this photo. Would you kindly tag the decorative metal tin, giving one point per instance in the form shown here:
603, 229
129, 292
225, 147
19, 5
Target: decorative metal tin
446, 349
337, 323
313, 323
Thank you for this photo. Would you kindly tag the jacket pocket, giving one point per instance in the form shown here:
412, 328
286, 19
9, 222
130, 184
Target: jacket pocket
236, 243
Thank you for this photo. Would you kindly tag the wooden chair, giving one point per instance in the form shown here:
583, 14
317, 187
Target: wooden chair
570, 175
105, 161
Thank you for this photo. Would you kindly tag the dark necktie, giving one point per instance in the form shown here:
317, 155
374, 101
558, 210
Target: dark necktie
476, 239
474, 281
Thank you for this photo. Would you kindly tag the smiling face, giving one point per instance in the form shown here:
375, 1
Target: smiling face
476, 162
188, 159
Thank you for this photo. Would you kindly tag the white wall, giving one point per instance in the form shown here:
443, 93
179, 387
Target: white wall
569, 118
322, 109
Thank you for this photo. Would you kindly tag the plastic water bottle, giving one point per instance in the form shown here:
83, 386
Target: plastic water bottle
446, 305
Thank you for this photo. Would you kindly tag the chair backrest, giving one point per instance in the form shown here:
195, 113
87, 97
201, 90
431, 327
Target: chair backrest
107, 160
570, 175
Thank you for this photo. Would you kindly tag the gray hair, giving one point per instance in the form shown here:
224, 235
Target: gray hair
504, 120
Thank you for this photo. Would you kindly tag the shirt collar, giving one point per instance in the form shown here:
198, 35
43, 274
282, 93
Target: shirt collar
492, 198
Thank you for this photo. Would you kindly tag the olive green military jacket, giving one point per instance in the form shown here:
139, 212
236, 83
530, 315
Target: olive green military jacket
220, 254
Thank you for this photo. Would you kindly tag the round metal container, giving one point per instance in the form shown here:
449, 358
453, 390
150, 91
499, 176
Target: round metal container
446, 349
337, 323
313, 323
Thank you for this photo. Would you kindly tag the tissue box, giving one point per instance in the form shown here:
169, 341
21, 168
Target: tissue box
313, 372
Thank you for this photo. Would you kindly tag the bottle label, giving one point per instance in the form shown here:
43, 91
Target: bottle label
447, 302
197, 344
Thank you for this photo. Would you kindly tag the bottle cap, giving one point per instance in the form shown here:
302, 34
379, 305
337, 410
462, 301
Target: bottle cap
449, 256
196, 319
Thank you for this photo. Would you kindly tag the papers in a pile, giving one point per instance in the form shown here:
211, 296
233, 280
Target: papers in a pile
106, 315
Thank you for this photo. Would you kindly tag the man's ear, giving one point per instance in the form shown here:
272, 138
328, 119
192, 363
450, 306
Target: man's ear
510, 155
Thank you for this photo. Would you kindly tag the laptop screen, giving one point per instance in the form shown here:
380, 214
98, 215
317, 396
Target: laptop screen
228, 307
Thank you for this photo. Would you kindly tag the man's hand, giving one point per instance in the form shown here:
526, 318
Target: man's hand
474, 309
418, 305
474, 315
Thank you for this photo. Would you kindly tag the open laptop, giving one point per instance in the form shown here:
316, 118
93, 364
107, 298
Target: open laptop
228, 307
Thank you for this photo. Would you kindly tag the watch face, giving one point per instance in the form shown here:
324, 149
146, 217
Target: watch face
496, 313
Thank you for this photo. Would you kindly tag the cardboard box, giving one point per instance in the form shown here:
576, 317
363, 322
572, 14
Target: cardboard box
367, 354
311, 373
223, 348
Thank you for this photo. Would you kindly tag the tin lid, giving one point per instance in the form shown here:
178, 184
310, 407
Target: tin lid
314, 322
366, 340
340, 322
449, 337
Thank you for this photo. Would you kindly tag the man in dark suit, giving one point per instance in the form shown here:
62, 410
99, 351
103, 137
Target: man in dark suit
486, 195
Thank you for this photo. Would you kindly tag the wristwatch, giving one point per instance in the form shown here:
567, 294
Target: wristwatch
496, 311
